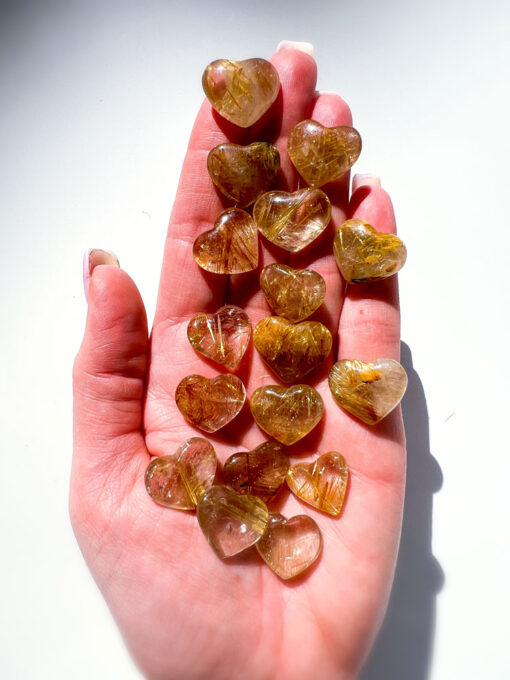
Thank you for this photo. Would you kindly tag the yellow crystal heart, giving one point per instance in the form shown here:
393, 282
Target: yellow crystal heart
210, 404
292, 293
321, 483
223, 336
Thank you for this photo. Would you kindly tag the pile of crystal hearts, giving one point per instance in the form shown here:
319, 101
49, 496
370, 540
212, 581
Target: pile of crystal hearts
234, 515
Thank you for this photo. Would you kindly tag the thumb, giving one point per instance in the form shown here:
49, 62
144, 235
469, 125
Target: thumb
109, 380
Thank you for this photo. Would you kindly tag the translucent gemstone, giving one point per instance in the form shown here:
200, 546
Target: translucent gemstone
292, 221
292, 293
292, 351
368, 391
210, 404
364, 254
241, 91
260, 472
287, 413
231, 247
223, 336
231, 522
179, 481
290, 546
322, 483
322, 154
241, 173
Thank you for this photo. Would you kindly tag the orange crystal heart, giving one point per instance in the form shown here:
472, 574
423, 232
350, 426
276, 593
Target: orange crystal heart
289, 546
292, 351
180, 481
260, 472
292, 220
364, 254
241, 173
231, 247
322, 154
322, 483
287, 413
369, 391
210, 404
223, 336
292, 293
231, 522
241, 91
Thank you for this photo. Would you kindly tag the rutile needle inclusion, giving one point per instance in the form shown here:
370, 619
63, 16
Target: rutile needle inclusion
321, 483
180, 480
368, 391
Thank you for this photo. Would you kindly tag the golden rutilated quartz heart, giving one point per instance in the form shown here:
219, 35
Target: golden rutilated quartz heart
322, 483
292, 351
364, 254
292, 220
241, 91
231, 247
287, 413
179, 481
241, 173
231, 522
322, 154
210, 404
260, 472
223, 336
292, 293
290, 546
368, 391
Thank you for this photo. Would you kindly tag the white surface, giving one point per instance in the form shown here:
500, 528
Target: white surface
97, 102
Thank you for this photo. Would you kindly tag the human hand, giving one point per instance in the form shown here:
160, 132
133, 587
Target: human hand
183, 612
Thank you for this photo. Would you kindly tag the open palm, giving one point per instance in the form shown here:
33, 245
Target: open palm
184, 613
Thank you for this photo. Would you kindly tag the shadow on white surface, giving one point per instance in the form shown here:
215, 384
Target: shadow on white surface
404, 647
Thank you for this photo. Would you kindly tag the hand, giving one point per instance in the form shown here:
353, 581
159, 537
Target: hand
183, 612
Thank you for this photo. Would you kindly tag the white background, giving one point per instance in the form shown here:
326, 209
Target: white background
97, 100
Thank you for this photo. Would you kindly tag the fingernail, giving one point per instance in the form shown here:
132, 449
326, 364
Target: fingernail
293, 45
92, 258
319, 92
365, 179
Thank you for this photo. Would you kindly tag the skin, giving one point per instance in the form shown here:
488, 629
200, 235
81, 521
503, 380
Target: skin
183, 612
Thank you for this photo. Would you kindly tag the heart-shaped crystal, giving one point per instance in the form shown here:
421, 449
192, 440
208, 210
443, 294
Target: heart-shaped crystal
241, 91
179, 481
292, 221
289, 546
260, 472
322, 154
292, 351
222, 336
292, 293
231, 522
368, 391
287, 413
322, 483
210, 404
241, 173
231, 247
364, 254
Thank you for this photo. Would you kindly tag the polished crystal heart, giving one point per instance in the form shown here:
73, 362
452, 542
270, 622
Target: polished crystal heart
223, 336
368, 391
241, 91
231, 522
231, 247
322, 483
364, 254
290, 546
260, 472
292, 221
241, 173
292, 293
287, 413
322, 154
210, 404
292, 351
179, 481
